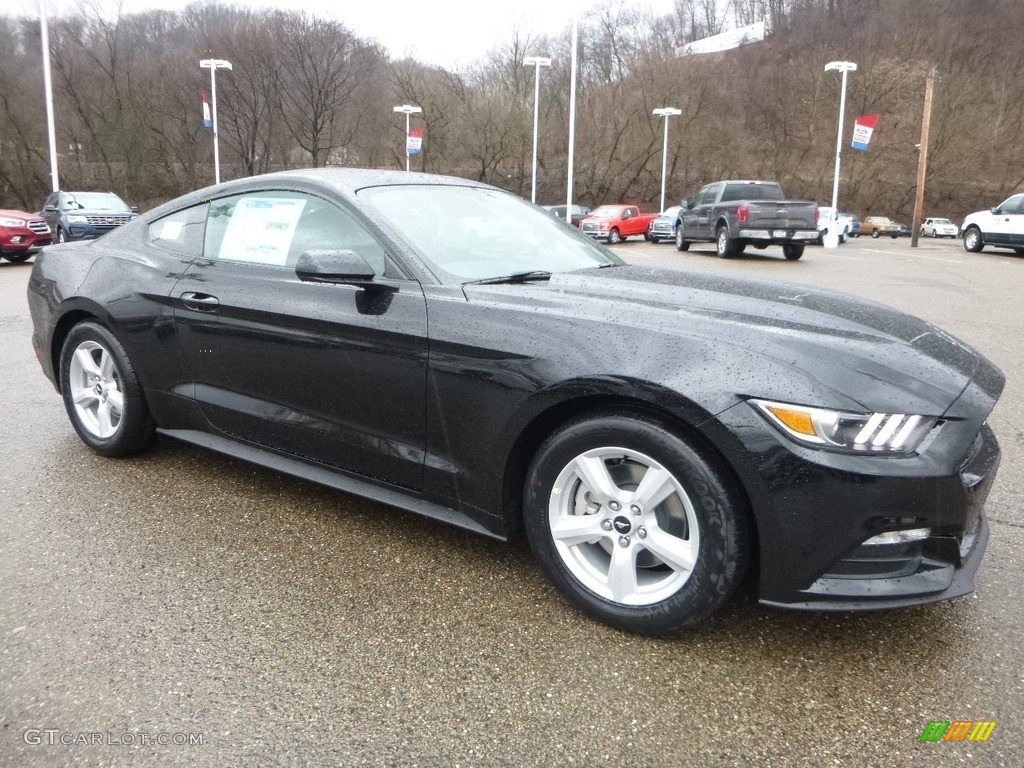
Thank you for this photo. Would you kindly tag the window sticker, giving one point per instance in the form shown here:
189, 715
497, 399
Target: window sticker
171, 230
261, 230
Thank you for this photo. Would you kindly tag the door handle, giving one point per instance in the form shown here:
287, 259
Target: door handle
201, 302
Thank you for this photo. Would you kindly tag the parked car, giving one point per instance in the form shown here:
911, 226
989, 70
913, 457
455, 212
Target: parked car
654, 432
828, 220
737, 213
21, 234
85, 215
578, 213
938, 228
663, 227
1002, 226
615, 223
851, 224
876, 226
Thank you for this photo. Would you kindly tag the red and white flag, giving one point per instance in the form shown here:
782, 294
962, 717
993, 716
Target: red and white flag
863, 127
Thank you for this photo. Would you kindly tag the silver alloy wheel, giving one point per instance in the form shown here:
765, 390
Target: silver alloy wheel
96, 390
971, 238
624, 526
722, 243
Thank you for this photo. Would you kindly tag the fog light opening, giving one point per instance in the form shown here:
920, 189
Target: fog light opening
899, 537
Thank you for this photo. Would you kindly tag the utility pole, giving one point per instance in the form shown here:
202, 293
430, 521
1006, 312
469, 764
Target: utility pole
922, 160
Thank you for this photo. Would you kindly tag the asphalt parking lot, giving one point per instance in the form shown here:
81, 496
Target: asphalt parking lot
255, 620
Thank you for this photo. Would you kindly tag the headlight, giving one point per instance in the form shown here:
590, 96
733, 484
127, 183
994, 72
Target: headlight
13, 223
77, 218
899, 433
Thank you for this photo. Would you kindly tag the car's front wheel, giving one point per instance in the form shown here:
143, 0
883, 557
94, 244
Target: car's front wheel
875, 234
636, 526
972, 240
61, 236
614, 238
102, 394
682, 244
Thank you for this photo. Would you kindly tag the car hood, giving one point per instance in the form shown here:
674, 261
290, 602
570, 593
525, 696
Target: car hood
769, 339
7, 213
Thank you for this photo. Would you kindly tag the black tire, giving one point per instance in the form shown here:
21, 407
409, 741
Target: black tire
875, 234
614, 237
681, 244
973, 240
61, 236
135, 429
714, 528
792, 251
725, 246
17, 258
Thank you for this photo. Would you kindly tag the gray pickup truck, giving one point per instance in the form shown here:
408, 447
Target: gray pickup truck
735, 214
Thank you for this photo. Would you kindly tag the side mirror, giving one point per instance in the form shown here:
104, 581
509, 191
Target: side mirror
341, 266
50, 209
135, 209
996, 210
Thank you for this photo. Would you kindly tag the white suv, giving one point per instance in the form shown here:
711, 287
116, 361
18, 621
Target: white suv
1002, 226
938, 228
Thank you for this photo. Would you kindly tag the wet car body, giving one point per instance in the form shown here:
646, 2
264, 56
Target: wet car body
415, 391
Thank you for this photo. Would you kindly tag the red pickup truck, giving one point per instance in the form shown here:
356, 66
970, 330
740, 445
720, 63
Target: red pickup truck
615, 223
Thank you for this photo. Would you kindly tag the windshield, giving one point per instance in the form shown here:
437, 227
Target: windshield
605, 212
98, 201
671, 211
469, 233
942, 221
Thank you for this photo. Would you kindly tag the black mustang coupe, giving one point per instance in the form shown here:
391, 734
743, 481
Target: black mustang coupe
445, 347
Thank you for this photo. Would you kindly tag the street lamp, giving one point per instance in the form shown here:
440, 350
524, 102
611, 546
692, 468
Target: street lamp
665, 112
48, 90
844, 67
536, 62
213, 65
408, 109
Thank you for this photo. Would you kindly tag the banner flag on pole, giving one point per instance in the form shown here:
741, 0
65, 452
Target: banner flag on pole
863, 127
414, 142
207, 121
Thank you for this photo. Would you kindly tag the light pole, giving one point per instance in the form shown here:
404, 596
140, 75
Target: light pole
536, 62
213, 65
844, 67
665, 112
572, 116
408, 109
48, 89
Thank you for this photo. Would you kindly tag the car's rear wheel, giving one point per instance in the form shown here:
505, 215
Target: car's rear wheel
681, 243
972, 240
725, 246
102, 394
792, 251
634, 525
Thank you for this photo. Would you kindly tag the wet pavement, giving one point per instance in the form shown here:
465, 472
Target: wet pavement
181, 608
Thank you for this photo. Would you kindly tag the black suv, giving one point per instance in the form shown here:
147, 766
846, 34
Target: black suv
85, 215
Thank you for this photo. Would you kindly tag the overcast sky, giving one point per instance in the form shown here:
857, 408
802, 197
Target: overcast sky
446, 32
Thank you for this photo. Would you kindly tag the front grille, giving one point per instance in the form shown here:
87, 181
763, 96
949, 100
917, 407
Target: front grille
666, 228
108, 220
590, 227
39, 227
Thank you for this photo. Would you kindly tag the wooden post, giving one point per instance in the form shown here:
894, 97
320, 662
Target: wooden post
922, 162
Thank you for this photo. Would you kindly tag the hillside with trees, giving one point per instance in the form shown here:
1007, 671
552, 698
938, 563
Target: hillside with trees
308, 91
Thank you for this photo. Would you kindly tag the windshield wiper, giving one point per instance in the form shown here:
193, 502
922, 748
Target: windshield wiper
515, 277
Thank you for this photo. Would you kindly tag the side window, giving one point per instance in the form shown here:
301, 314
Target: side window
181, 231
698, 199
710, 194
1013, 205
274, 228
51, 201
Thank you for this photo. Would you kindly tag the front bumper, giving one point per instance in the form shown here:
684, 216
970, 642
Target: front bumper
22, 240
89, 231
815, 511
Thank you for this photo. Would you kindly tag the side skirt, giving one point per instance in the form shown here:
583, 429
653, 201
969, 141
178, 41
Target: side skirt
330, 478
